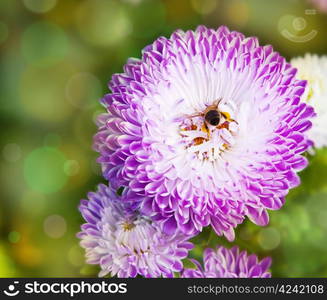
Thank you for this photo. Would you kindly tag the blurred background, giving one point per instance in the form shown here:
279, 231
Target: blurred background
56, 59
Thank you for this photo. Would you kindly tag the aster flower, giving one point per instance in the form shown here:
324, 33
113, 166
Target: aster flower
314, 69
123, 241
229, 263
209, 126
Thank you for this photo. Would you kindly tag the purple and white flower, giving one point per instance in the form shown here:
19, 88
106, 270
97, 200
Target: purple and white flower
229, 263
124, 242
196, 171
313, 68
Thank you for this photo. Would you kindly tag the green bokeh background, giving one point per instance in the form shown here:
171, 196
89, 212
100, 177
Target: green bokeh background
56, 59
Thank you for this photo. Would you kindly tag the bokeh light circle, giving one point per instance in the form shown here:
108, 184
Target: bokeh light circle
204, 6
76, 256
44, 170
14, 237
269, 238
71, 167
42, 93
40, 6
11, 152
83, 90
55, 226
102, 23
44, 44
238, 13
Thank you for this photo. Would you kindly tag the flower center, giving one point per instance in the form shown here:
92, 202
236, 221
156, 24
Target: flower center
135, 234
209, 133
128, 226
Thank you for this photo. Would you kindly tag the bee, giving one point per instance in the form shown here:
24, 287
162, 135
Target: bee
214, 117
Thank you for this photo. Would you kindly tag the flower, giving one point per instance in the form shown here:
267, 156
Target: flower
123, 241
314, 69
229, 263
160, 135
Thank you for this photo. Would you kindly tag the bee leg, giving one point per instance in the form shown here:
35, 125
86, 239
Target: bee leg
227, 117
205, 129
